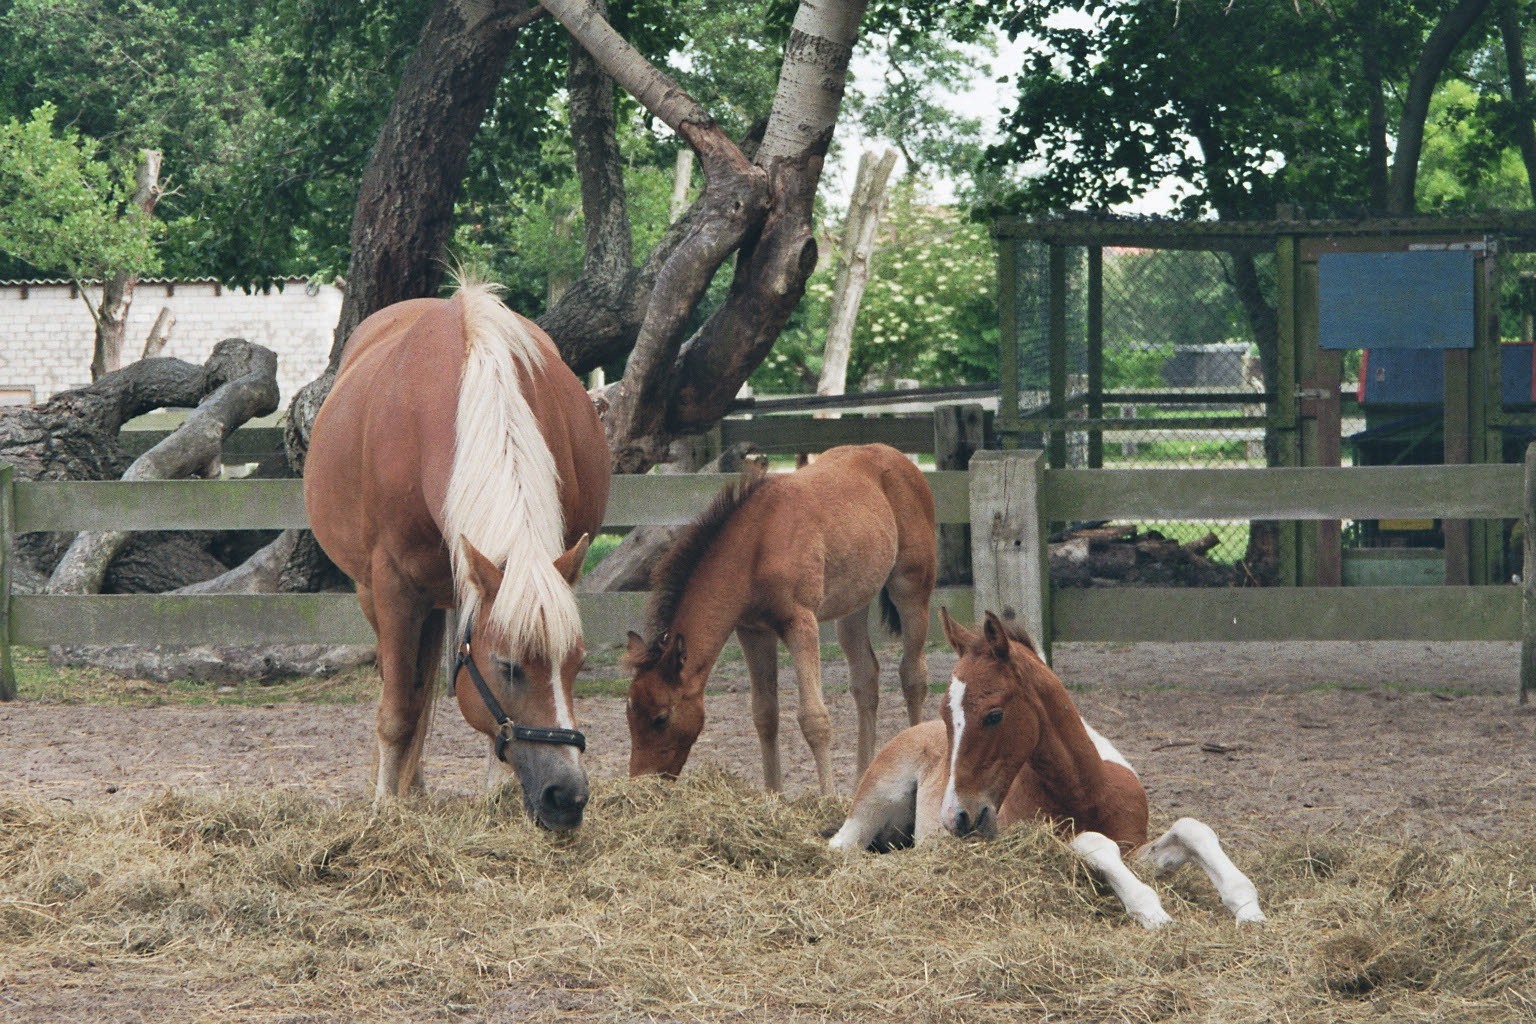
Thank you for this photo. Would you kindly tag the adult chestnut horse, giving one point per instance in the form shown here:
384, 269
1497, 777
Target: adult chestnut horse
457, 462
771, 558
1012, 746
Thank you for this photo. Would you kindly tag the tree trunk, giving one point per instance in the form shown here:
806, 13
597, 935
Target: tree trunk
249, 388
1438, 48
74, 436
1376, 156
682, 177
1519, 88
159, 334
117, 290
864, 208
404, 213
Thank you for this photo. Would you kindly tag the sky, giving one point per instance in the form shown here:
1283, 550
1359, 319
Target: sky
985, 98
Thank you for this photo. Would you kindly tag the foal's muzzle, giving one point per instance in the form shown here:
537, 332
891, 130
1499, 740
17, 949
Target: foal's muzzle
983, 824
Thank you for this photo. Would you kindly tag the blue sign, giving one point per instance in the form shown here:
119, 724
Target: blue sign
1387, 300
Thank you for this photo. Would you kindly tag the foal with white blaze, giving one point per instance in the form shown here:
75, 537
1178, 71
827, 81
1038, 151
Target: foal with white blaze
1012, 746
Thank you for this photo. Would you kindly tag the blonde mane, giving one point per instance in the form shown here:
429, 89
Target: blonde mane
504, 490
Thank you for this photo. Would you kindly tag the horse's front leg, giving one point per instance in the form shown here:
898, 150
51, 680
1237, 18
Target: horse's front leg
803, 637
863, 679
761, 648
405, 699
1102, 854
1190, 840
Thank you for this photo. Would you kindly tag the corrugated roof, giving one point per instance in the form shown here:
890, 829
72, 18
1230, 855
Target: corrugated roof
38, 282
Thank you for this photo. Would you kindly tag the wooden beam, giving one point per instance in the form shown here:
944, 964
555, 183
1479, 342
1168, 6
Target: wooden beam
1357, 492
65, 505
1171, 615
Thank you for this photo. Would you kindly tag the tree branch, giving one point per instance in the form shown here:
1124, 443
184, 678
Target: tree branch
405, 201
1519, 88
1438, 48
249, 388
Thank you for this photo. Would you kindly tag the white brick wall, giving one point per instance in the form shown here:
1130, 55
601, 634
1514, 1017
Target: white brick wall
46, 337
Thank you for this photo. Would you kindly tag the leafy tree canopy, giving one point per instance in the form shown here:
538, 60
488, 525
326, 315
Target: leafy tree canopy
1242, 106
63, 210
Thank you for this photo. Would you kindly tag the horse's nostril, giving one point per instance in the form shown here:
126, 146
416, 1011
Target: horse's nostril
563, 798
962, 824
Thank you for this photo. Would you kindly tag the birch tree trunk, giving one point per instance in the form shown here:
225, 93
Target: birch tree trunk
682, 176
117, 290
159, 334
859, 233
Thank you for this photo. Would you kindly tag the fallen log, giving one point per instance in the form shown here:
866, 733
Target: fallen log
1120, 555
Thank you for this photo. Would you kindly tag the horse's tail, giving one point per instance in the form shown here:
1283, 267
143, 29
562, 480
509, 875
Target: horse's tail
428, 660
888, 613
504, 490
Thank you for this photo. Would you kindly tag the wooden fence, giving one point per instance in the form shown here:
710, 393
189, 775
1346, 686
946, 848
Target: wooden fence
1008, 499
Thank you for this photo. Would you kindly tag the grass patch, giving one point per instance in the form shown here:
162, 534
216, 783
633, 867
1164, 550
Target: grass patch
37, 680
706, 900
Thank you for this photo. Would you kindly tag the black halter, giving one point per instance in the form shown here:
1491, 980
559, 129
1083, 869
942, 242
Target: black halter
506, 728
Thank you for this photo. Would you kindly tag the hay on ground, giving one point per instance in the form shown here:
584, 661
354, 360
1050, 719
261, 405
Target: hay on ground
706, 900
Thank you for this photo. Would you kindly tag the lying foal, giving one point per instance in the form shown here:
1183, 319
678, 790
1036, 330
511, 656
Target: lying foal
1011, 746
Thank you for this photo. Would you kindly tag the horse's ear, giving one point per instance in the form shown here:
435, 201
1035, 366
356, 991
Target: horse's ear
753, 470
568, 565
483, 573
996, 635
958, 636
672, 655
637, 650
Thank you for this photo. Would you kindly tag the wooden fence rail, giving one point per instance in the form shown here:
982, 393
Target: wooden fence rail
1008, 499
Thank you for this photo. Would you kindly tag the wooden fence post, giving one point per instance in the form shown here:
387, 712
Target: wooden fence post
958, 433
7, 538
1010, 559
1528, 580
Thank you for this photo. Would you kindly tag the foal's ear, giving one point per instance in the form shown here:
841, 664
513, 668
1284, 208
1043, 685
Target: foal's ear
482, 573
568, 565
996, 635
637, 650
958, 636
672, 655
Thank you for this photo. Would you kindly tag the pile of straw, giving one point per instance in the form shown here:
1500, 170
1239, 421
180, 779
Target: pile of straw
706, 900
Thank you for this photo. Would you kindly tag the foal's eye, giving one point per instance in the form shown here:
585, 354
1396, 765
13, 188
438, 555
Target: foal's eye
660, 721
510, 670
993, 717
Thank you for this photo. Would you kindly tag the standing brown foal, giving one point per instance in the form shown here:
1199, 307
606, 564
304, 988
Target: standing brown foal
458, 463
771, 558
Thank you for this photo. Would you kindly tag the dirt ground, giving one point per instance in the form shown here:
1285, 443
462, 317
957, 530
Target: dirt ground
1256, 739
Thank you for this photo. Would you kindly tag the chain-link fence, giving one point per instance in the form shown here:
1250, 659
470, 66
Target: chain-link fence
1180, 374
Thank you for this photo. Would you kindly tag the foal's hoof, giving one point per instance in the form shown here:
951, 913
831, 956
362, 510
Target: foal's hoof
1153, 919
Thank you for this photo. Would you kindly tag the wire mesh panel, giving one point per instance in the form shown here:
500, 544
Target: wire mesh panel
1180, 364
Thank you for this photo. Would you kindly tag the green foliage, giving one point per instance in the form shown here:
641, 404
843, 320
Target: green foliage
929, 312
63, 210
1244, 106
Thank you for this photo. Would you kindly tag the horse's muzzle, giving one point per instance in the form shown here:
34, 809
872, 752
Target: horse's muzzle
560, 806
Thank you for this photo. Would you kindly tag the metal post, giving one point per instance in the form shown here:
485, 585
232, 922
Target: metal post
1056, 440
1095, 353
1527, 581
1008, 342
